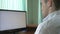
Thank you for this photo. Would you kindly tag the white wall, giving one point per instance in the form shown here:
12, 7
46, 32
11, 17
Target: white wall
12, 20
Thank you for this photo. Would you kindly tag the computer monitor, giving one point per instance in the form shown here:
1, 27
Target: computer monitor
11, 19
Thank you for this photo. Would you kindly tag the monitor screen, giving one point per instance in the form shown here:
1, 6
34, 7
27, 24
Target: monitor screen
12, 20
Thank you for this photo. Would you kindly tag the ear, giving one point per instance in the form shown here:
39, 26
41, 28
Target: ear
49, 3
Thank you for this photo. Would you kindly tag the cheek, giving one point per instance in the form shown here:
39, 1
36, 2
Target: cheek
44, 10
44, 7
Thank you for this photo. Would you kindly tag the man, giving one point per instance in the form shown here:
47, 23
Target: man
51, 22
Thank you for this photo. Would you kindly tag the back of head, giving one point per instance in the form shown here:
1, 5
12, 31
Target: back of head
57, 4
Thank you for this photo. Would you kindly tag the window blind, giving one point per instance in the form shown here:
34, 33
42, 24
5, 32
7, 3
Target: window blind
13, 4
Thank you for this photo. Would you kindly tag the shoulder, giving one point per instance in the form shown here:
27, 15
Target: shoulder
48, 25
53, 22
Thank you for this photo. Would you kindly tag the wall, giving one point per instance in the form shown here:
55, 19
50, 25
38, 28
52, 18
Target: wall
30, 11
34, 11
39, 12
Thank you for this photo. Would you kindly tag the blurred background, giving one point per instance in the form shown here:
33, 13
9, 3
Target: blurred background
32, 8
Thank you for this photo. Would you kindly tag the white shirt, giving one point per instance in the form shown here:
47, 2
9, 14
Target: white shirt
50, 25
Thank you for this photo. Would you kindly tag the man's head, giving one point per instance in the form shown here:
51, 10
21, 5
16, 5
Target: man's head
49, 6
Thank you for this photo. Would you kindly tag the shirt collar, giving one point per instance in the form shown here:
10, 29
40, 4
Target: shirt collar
51, 15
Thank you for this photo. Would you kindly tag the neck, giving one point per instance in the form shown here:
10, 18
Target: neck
51, 9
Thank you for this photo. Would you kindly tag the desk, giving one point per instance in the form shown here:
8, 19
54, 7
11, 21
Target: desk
31, 27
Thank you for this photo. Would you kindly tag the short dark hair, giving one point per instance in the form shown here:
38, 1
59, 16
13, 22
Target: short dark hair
56, 3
